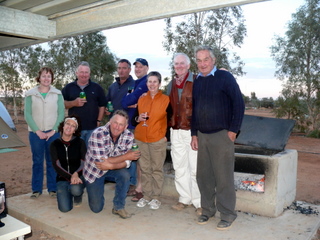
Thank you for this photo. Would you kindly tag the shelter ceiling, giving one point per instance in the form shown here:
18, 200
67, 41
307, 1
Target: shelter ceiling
26, 22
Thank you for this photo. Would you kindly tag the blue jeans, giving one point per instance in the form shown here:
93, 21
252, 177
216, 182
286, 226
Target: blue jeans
85, 135
96, 189
66, 192
133, 173
40, 149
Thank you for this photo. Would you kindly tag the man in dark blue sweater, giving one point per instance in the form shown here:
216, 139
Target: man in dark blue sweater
218, 110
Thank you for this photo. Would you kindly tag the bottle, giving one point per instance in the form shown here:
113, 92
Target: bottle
110, 106
130, 89
83, 95
135, 147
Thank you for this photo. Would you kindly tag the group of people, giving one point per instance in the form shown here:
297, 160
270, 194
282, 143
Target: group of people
204, 113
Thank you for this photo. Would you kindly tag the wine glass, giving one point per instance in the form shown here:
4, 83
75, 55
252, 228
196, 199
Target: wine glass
145, 119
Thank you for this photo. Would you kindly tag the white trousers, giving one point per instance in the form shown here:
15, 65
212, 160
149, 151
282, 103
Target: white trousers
184, 161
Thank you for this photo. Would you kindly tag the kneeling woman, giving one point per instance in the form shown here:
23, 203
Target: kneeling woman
68, 155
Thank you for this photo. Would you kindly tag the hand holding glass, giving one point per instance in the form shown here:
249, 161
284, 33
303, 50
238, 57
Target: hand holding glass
146, 117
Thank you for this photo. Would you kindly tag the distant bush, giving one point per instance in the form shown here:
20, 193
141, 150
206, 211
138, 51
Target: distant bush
314, 134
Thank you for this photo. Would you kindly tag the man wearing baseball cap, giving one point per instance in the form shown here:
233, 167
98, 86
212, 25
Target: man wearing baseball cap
129, 103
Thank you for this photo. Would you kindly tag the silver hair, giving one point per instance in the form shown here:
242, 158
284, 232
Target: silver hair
121, 113
83, 63
204, 48
184, 55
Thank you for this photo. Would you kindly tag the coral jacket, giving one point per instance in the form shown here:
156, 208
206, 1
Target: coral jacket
157, 122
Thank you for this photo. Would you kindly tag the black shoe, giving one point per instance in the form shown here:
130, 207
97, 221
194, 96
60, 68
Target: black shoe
224, 225
77, 201
203, 219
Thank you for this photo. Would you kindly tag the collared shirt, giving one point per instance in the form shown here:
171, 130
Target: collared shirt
211, 73
89, 112
101, 145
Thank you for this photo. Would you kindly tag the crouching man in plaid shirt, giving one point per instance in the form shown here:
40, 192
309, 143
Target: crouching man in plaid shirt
108, 157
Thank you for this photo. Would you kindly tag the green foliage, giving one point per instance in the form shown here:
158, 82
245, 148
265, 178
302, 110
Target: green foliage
19, 67
297, 56
291, 106
65, 54
267, 102
222, 29
314, 134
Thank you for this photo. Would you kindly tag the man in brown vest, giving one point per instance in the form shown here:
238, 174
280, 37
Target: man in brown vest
183, 157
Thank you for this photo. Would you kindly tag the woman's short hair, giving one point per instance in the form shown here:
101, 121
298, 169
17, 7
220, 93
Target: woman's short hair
154, 74
77, 131
47, 70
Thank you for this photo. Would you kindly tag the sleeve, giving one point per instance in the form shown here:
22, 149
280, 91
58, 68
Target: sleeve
193, 117
238, 105
57, 164
169, 87
28, 114
132, 98
97, 147
83, 149
60, 112
64, 92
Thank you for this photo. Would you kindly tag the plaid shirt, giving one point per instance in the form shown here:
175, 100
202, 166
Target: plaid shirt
101, 145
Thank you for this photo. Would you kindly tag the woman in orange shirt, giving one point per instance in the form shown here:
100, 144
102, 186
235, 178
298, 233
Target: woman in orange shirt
151, 126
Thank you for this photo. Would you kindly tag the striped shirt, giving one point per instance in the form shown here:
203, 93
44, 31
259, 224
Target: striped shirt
101, 145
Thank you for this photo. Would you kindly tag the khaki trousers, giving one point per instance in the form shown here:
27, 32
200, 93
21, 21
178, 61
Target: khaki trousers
151, 163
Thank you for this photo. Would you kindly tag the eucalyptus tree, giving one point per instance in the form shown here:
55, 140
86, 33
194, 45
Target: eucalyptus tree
66, 53
297, 57
222, 29
11, 82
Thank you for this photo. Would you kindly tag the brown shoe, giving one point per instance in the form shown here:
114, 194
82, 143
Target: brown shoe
179, 206
199, 211
122, 213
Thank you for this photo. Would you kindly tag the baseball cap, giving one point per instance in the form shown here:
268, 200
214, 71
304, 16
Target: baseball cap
142, 61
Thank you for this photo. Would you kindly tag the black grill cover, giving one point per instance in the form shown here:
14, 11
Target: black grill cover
265, 133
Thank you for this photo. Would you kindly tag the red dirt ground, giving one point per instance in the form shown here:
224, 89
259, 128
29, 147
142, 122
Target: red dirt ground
16, 169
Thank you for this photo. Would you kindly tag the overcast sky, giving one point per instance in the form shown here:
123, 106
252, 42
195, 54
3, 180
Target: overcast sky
263, 20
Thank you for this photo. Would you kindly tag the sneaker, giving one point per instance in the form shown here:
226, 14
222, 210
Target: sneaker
142, 202
35, 194
53, 194
223, 225
77, 201
154, 204
179, 206
122, 213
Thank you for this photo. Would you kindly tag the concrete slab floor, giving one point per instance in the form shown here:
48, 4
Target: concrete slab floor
164, 223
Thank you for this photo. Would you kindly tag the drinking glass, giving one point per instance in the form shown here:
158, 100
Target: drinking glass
146, 118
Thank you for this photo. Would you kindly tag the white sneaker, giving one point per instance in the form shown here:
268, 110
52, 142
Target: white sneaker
142, 202
154, 204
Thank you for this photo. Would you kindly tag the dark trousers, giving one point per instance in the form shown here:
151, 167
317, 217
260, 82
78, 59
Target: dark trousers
215, 175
